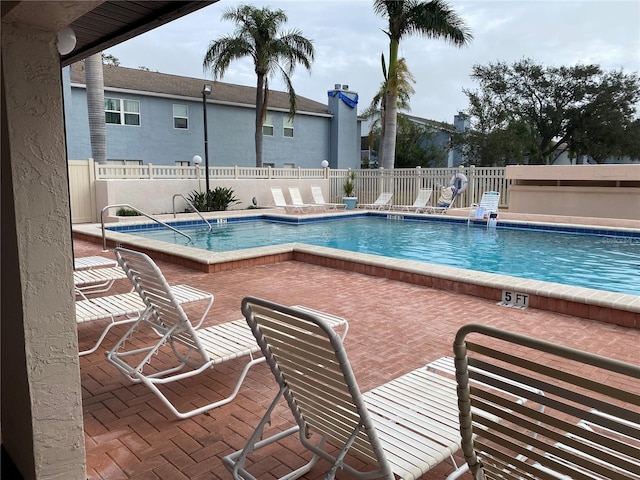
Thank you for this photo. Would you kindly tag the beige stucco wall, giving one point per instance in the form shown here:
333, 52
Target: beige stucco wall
576, 190
156, 196
42, 426
574, 172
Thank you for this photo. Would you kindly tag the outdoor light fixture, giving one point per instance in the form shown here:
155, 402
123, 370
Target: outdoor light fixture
206, 91
197, 160
324, 164
66, 40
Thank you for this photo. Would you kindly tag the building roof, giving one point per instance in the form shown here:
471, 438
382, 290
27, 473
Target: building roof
432, 123
162, 83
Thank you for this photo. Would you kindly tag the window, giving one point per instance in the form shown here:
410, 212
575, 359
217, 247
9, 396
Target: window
288, 128
288, 165
122, 112
267, 127
183, 163
180, 116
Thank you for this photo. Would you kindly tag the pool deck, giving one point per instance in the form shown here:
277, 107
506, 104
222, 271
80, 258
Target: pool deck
395, 327
618, 308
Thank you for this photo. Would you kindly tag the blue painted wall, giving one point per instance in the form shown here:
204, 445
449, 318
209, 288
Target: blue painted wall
230, 132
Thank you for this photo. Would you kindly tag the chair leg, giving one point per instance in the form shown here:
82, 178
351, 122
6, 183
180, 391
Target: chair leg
104, 334
236, 461
153, 382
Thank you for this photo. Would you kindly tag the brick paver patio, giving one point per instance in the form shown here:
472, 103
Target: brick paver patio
394, 328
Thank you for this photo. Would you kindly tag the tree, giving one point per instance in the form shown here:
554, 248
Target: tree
95, 107
415, 146
258, 36
376, 111
541, 112
433, 19
108, 59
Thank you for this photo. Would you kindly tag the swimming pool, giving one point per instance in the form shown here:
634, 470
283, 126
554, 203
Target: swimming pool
602, 260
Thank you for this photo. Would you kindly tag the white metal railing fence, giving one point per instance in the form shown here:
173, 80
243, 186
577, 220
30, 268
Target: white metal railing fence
403, 182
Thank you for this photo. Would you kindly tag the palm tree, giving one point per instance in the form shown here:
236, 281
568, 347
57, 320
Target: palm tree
376, 110
433, 19
258, 35
95, 107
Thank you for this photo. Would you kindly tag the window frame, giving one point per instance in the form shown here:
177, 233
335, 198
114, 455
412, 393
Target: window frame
176, 117
268, 123
287, 125
122, 112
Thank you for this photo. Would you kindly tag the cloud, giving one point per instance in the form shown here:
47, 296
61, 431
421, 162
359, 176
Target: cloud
348, 39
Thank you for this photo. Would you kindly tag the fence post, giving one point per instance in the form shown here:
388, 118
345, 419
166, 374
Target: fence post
472, 184
150, 167
380, 183
235, 172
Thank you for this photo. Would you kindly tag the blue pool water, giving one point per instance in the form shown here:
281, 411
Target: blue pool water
602, 262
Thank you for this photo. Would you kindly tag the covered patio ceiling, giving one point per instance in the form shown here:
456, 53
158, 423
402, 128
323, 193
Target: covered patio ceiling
111, 22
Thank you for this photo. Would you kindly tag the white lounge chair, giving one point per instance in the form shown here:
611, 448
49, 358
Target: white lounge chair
404, 427
420, 203
488, 205
127, 307
318, 198
383, 202
195, 351
503, 440
279, 201
96, 280
296, 200
446, 199
95, 261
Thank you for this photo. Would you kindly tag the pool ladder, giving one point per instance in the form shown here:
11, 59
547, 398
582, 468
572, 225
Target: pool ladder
191, 205
151, 217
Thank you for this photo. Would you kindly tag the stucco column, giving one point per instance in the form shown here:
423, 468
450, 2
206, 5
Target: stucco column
41, 425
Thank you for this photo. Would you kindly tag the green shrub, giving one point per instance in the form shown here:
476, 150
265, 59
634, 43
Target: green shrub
126, 212
218, 199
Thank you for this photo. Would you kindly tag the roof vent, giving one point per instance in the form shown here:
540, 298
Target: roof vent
345, 87
336, 86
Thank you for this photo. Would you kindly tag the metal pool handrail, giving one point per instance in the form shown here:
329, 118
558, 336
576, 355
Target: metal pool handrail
191, 205
104, 238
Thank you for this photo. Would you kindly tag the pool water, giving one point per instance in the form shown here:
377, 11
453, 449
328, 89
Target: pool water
595, 261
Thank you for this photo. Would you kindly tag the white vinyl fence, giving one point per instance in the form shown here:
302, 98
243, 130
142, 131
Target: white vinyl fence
253, 182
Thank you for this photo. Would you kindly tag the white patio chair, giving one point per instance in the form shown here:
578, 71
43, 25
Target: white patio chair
96, 280
296, 200
383, 202
318, 198
94, 261
445, 201
589, 426
195, 351
420, 203
127, 307
404, 427
488, 205
279, 201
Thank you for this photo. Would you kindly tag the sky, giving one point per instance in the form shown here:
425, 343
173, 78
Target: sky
348, 39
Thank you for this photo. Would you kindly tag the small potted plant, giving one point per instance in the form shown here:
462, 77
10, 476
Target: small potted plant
349, 190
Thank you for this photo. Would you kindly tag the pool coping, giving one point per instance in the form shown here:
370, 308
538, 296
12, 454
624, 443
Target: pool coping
611, 307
